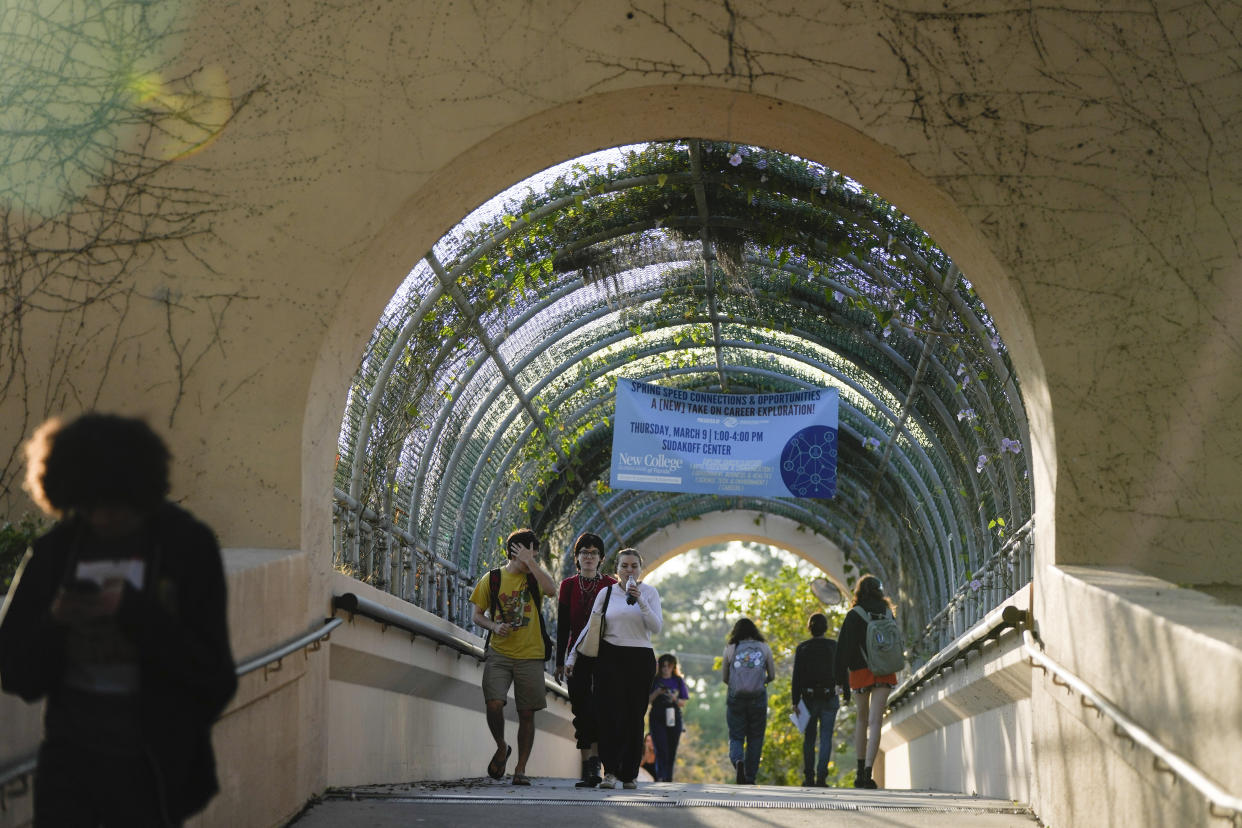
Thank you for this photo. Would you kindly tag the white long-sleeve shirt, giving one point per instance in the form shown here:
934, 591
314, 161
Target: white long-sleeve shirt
626, 625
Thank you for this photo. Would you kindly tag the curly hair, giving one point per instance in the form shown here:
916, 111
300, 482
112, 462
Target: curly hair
96, 459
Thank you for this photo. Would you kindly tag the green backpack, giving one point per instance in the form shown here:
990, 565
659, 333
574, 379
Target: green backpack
883, 648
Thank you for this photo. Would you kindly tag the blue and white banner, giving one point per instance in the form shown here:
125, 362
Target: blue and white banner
773, 445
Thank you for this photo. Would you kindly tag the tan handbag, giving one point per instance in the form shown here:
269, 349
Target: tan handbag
588, 644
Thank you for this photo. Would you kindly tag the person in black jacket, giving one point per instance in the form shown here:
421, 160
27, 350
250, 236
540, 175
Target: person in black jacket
850, 670
117, 617
813, 685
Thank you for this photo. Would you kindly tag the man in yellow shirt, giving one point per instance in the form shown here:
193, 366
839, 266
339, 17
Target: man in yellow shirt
515, 651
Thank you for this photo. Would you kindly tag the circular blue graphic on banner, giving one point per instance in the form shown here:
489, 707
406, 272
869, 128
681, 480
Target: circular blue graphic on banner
809, 462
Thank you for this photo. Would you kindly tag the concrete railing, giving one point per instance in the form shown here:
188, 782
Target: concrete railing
356, 605
1221, 804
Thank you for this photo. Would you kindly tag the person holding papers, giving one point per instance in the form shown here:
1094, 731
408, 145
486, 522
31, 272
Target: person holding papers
813, 689
117, 617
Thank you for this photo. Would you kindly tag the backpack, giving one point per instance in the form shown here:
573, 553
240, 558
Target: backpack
748, 672
532, 586
883, 648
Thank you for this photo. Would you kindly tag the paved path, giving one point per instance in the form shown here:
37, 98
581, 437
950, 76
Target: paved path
550, 803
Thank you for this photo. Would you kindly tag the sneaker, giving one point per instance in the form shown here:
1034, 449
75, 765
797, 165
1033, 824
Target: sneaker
741, 772
609, 781
629, 786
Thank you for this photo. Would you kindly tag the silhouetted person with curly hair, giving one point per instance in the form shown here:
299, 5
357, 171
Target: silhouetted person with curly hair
117, 618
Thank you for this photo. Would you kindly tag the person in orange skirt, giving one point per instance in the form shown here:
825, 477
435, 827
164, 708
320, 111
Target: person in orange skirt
851, 665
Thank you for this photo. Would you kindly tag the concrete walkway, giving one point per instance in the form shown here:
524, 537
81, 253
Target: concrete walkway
554, 802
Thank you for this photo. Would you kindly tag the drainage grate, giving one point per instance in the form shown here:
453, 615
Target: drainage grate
684, 802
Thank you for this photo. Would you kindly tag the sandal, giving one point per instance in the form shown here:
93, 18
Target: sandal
496, 771
520, 779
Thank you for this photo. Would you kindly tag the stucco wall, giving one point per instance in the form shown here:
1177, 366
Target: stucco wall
968, 728
1080, 163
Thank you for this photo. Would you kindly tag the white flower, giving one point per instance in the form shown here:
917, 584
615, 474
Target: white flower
967, 414
981, 462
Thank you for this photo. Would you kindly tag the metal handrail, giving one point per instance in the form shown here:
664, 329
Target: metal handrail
311, 639
25, 767
990, 628
1015, 551
354, 605
1126, 727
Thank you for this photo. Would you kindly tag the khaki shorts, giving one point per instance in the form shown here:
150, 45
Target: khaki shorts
525, 674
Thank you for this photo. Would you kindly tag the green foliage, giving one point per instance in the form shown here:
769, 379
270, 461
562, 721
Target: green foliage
15, 539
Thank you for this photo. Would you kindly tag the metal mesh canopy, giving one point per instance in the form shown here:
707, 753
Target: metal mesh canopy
484, 400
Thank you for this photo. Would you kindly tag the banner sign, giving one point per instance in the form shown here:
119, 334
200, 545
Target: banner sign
773, 445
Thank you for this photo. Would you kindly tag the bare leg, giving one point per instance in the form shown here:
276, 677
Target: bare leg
862, 698
525, 739
496, 724
877, 703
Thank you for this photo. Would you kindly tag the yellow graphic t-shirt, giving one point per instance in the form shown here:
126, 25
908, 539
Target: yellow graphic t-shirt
515, 607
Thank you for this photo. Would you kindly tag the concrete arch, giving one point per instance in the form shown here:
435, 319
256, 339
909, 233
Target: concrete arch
745, 525
627, 116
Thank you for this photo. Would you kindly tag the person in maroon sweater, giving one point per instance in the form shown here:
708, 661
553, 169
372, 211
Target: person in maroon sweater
574, 603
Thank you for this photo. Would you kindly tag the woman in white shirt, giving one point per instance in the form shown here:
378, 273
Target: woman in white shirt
625, 668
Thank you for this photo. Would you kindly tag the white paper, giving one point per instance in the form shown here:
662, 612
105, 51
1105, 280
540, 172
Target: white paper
800, 716
128, 569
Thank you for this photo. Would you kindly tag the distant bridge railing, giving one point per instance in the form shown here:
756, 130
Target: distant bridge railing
1006, 571
370, 548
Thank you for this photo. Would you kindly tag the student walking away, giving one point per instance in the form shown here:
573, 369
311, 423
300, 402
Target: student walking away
117, 617
507, 604
668, 696
625, 667
748, 668
574, 603
813, 685
851, 669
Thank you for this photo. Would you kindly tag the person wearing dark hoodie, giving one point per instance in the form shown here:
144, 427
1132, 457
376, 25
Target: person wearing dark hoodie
814, 686
851, 673
117, 617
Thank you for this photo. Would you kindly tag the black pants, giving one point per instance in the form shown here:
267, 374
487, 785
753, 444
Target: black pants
583, 702
80, 788
665, 737
623, 677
